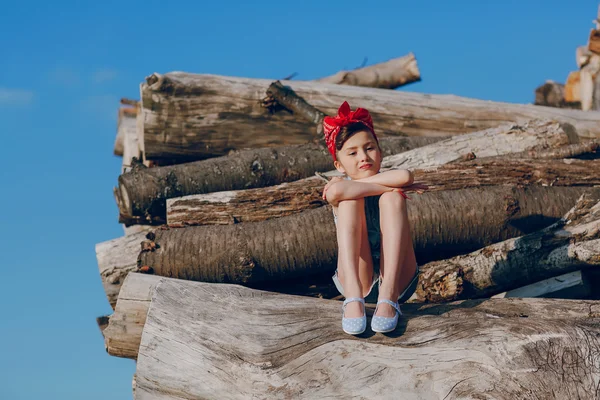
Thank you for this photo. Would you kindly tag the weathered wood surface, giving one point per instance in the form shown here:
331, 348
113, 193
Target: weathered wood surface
126, 122
587, 77
573, 88
229, 342
133, 229
131, 150
142, 192
197, 116
116, 258
594, 41
386, 75
251, 205
556, 287
124, 332
572, 243
587, 149
444, 224
487, 143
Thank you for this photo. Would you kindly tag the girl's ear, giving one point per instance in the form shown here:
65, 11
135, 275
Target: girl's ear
339, 167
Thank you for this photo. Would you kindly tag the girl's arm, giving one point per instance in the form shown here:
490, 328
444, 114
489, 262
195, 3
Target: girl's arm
395, 178
352, 190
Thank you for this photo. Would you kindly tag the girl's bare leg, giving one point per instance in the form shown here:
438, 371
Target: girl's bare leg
355, 265
398, 261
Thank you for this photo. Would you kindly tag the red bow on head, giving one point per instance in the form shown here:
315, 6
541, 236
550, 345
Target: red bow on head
345, 116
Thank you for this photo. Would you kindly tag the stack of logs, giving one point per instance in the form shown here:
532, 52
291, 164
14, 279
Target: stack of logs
582, 88
221, 285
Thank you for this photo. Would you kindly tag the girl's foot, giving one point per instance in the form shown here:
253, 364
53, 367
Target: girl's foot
384, 310
385, 324
408, 286
354, 310
354, 325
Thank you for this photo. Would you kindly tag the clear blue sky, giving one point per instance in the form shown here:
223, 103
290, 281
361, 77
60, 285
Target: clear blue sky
64, 65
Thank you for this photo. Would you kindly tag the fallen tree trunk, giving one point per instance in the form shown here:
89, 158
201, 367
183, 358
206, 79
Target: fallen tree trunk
568, 245
142, 192
488, 143
240, 343
252, 205
198, 116
386, 75
444, 224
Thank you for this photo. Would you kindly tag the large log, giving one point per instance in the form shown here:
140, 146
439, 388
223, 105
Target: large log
224, 341
443, 223
197, 116
260, 204
491, 142
116, 258
570, 244
386, 75
142, 192
124, 332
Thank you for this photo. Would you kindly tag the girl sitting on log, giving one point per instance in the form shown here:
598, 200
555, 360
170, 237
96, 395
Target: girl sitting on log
369, 209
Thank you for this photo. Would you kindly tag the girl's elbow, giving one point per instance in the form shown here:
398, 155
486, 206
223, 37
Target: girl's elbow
408, 177
411, 177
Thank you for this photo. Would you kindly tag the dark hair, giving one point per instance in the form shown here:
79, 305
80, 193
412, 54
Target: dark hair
348, 131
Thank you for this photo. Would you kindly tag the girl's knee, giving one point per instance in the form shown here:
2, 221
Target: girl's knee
393, 199
351, 204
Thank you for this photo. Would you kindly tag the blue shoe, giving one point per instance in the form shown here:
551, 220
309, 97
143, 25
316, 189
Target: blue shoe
385, 324
354, 326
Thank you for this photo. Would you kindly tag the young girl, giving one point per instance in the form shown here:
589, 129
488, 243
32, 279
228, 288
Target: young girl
369, 208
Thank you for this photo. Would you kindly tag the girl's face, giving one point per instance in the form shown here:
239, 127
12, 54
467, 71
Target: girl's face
360, 157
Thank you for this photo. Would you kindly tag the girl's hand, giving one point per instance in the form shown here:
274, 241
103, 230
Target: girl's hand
331, 182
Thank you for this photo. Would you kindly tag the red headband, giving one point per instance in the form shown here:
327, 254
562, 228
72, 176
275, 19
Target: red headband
333, 125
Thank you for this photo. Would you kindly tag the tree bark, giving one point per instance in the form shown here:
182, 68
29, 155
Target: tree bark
551, 94
252, 205
387, 75
444, 224
142, 192
224, 341
199, 116
570, 244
